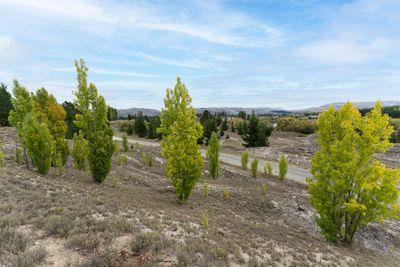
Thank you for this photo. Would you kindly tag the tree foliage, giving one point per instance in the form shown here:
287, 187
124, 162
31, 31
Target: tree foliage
5, 105
125, 144
39, 143
213, 156
48, 111
256, 134
80, 151
92, 120
71, 111
140, 125
180, 131
349, 189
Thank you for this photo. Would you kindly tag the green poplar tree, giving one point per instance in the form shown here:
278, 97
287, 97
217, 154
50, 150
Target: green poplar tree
80, 151
22, 106
213, 156
349, 188
180, 131
92, 120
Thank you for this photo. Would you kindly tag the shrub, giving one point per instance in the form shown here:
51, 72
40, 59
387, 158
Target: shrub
291, 124
125, 158
145, 242
59, 225
268, 170
18, 155
349, 188
119, 159
125, 143
80, 151
254, 167
227, 194
181, 130
204, 221
39, 143
283, 167
263, 188
205, 188
245, 159
32, 257
115, 182
213, 155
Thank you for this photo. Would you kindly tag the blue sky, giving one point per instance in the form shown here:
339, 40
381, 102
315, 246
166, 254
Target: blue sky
250, 53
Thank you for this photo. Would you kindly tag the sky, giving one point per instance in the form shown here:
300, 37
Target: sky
250, 53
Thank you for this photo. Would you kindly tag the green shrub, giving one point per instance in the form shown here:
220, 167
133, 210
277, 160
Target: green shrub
254, 168
213, 155
268, 170
205, 188
244, 160
291, 124
204, 221
32, 257
263, 188
59, 225
283, 167
119, 159
39, 143
125, 145
227, 194
80, 151
115, 182
18, 155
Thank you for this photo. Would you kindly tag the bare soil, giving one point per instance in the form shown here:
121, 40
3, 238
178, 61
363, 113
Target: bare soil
68, 220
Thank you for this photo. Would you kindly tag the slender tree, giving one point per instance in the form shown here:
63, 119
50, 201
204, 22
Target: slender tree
180, 131
125, 143
283, 167
213, 156
22, 106
92, 120
349, 188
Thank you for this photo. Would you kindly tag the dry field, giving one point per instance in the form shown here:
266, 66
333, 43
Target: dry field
135, 219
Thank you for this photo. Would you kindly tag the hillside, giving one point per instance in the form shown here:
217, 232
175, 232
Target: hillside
63, 220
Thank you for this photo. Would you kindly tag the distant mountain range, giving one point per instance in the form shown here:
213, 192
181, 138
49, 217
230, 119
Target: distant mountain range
258, 111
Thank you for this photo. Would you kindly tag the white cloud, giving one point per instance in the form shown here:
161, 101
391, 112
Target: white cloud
110, 72
336, 51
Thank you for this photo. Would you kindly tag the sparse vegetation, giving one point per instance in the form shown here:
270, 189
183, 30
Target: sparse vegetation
204, 221
263, 188
17, 155
227, 194
283, 167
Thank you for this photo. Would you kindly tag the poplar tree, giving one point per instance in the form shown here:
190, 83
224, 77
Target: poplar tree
22, 106
92, 120
125, 145
213, 156
349, 188
48, 111
180, 131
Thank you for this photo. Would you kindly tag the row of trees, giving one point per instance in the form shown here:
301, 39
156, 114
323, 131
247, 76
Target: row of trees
42, 127
143, 126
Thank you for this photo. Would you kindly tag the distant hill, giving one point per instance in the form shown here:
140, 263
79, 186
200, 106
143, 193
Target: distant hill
337, 105
257, 111
135, 111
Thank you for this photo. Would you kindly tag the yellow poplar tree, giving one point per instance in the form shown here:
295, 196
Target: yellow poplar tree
349, 188
180, 131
